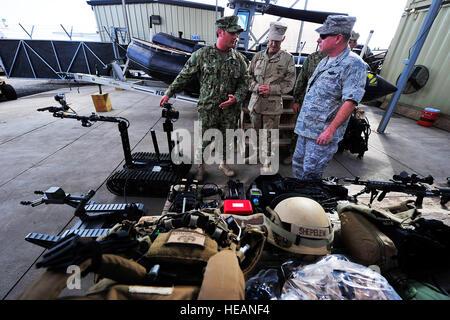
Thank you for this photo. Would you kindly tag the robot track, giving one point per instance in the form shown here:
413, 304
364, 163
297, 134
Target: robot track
154, 180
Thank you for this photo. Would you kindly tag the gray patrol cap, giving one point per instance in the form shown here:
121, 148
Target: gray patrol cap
354, 36
277, 31
338, 24
229, 23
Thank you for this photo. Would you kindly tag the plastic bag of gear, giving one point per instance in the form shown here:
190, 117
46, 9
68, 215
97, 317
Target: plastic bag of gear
334, 277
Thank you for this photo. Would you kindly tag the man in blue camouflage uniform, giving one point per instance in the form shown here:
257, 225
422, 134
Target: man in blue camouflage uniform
334, 90
224, 82
306, 71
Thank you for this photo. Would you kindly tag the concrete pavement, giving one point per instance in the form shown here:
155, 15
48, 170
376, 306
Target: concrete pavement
40, 151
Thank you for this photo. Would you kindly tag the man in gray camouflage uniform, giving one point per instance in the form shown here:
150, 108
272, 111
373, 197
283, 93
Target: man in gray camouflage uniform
308, 67
334, 90
224, 81
272, 74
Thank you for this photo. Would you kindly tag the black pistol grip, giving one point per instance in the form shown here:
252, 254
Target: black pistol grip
382, 195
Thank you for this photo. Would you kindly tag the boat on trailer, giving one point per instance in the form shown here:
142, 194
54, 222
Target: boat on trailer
166, 55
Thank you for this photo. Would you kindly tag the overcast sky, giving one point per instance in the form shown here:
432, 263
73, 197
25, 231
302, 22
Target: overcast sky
382, 16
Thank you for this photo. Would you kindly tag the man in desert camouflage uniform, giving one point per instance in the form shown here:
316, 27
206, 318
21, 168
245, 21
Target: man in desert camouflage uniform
335, 88
353, 42
224, 81
308, 67
272, 74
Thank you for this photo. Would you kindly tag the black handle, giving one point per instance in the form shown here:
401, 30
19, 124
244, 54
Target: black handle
79, 211
381, 196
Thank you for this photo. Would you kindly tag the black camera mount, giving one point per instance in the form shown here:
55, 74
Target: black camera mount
144, 173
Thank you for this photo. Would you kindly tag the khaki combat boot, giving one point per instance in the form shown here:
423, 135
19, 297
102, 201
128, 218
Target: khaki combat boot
200, 173
226, 170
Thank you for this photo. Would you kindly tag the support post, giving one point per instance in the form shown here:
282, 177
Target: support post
299, 40
409, 63
125, 16
363, 51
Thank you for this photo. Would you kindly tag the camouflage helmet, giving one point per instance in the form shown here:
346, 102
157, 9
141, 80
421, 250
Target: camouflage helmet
299, 225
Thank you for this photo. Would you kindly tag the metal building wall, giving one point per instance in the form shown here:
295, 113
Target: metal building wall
191, 21
434, 55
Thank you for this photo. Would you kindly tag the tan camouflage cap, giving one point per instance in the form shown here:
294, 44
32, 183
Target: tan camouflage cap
338, 24
277, 31
354, 36
229, 23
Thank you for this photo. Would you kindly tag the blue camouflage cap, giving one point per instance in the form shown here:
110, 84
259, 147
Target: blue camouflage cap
337, 24
229, 23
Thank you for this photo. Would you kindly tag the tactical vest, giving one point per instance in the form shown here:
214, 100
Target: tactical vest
423, 245
184, 253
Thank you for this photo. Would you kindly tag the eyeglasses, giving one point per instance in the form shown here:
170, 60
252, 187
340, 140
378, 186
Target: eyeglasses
324, 36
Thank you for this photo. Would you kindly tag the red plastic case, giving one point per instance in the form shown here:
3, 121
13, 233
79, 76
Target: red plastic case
241, 207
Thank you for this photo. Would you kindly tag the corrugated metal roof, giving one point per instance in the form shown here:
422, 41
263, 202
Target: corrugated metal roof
171, 2
191, 21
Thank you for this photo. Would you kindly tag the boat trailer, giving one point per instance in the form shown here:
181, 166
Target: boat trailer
119, 81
